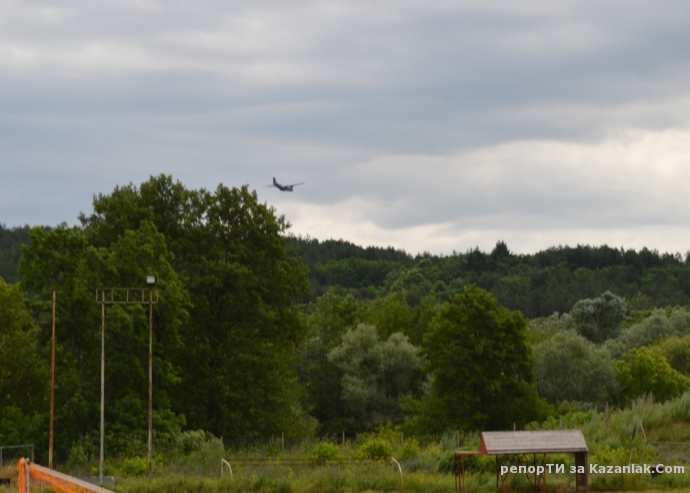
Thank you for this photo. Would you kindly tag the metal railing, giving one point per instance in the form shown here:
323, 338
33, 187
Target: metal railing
23, 445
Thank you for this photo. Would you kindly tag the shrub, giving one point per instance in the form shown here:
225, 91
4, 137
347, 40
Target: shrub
410, 449
376, 448
676, 350
192, 440
644, 370
325, 451
134, 466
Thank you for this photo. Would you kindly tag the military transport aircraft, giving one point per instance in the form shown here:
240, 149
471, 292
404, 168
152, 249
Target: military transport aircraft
283, 188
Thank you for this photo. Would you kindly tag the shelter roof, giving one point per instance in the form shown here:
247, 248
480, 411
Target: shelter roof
528, 442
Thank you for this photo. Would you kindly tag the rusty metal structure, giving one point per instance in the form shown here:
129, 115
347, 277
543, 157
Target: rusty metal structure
525, 452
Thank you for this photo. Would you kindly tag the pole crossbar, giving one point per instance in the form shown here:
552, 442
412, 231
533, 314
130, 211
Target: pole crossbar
126, 296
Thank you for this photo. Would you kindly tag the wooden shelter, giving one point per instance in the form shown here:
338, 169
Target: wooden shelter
513, 449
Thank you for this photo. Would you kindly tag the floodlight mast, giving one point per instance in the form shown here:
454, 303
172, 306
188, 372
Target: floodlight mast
108, 297
151, 282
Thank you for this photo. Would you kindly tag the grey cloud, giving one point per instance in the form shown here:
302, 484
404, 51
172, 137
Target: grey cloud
393, 106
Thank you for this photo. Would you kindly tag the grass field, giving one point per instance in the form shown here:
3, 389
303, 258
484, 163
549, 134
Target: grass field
190, 462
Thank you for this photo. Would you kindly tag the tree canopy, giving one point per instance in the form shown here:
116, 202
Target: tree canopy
226, 326
375, 374
481, 365
643, 371
570, 368
24, 374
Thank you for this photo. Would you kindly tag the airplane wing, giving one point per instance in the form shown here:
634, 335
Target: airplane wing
295, 184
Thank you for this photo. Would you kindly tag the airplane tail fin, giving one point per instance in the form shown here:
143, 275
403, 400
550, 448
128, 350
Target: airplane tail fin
274, 181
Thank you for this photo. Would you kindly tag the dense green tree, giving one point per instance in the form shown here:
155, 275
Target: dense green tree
599, 319
676, 350
389, 314
24, 374
328, 320
481, 365
644, 371
238, 363
657, 325
422, 314
570, 368
375, 374
61, 259
544, 328
11, 241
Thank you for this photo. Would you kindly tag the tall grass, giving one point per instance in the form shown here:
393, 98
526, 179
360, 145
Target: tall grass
190, 462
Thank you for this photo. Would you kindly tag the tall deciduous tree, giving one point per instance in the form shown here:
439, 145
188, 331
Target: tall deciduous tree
645, 371
375, 374
23, 372
600, 318
62, 259
570, 368
481, 365
237, 367
328, 320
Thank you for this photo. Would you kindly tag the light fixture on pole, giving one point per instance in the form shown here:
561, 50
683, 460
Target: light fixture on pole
151, 282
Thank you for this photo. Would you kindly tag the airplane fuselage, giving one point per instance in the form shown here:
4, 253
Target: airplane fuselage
284, 188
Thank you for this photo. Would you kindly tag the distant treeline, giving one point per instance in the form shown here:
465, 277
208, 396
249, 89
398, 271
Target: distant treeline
539, 284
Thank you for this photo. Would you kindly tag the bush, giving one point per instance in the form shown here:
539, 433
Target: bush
376, 448
192, 441
643, 371
446, 463
410, 449
676, 350
325, 451
134, 466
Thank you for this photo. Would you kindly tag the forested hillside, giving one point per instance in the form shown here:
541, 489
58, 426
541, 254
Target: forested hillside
538, 285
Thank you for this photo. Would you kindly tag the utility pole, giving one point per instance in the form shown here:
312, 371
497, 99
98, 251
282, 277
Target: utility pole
102, 454
151, 282
52, 388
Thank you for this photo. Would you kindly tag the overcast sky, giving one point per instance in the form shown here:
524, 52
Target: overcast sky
428, 125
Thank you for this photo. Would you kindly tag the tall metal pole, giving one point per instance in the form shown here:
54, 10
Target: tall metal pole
52, 389
100, 467
150, 464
